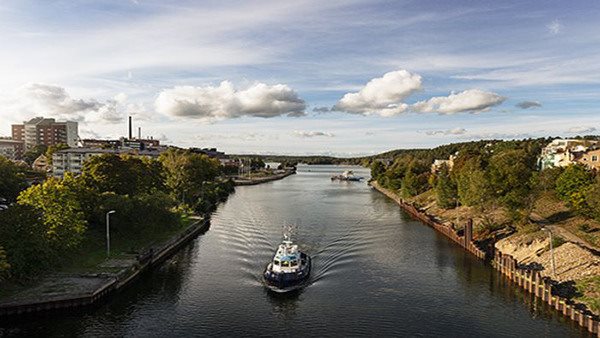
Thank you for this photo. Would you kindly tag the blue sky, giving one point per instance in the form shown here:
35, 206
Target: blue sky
246, 76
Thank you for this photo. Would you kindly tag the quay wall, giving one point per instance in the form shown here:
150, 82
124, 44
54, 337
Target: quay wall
144, 261
529, 280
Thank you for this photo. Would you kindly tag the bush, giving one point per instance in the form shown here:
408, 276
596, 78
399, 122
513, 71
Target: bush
584, 227
557, 241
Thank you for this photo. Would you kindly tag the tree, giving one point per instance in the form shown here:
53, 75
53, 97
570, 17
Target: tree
445, 189
4, 266
61, 212
33, 153
377, 169
23, 237
472, 185
52, 149
186, 173
572, 184
509, 174
124, 175
414, 181
12, 180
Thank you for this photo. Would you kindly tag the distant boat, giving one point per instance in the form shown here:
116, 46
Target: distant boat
347, 175
289, 269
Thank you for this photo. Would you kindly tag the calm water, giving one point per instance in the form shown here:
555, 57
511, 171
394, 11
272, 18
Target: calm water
376, 272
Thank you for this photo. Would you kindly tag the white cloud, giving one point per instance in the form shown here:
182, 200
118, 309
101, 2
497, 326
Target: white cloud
472, 100
554, 27
582, 129
455, 131
37, 99
383, 95
224, 101
304, 134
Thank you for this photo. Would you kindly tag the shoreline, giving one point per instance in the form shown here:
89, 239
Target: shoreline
254, 181
98, 287
528, 280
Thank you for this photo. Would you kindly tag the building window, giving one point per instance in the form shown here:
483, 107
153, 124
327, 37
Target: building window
594, 158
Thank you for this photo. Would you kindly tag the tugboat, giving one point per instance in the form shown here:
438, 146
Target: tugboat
289, 269
347, 175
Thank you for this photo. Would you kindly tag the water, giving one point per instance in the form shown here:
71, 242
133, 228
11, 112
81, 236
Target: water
375, 272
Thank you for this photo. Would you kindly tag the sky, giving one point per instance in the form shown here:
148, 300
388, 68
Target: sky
341, 78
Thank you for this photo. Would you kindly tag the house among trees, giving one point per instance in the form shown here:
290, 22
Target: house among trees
564, 152
437, 164
41, 164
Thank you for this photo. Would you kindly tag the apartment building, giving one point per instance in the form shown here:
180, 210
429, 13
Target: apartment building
11, 149
45, 131
72, 160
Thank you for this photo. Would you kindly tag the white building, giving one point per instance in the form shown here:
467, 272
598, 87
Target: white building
563, 152
71, 160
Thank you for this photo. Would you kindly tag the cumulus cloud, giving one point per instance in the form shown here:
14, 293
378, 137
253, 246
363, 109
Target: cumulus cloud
472, 100
582, 129
382, 96
321, 109
554, 27
528, 104
455, 131
304, 134
52, 100
224, 101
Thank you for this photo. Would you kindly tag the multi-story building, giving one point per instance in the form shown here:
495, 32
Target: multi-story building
562, 153
590, 159
43, 131
11, 149
71, 160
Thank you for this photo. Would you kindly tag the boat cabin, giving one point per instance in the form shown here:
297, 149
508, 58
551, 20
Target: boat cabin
287, 259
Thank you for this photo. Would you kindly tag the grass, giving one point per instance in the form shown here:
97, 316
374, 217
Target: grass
92, 252
589, 292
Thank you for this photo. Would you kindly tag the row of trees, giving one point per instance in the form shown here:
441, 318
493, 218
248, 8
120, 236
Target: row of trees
52, 219
485, 174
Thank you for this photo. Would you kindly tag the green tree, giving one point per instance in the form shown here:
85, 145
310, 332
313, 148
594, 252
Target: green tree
445, 189
572, 185
52, 149
4, 266
415, 179
472, 185
377, 169
509, 174
12, 180
30, 155
124, 175
62, 214
23, 237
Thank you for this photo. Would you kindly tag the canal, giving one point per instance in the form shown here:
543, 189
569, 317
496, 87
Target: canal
376, 272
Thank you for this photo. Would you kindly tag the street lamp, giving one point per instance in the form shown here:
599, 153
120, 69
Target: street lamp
551, 251
108, 232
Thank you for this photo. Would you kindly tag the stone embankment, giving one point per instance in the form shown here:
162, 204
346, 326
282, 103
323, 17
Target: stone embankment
238, 180
531, 280
71, 291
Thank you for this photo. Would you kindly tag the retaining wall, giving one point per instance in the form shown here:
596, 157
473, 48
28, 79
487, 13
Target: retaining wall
144, 261
529, 280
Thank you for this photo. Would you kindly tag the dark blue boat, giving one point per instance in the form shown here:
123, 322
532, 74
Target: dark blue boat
289, 270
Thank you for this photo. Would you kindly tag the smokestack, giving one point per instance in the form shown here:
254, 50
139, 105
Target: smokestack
130, 136
139, 133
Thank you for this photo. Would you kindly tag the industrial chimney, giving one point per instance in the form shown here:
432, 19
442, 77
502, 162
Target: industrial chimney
139, 133
130, 136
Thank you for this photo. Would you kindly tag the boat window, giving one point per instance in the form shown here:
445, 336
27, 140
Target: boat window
285, 263
276, 262
294, 263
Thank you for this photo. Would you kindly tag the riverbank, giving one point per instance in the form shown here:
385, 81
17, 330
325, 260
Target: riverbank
524, 276
241, 181
71, 290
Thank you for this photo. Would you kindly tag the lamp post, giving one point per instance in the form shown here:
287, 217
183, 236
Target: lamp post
551, 251
108, 232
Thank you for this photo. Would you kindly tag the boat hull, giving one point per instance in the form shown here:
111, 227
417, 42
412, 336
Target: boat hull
285, 282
